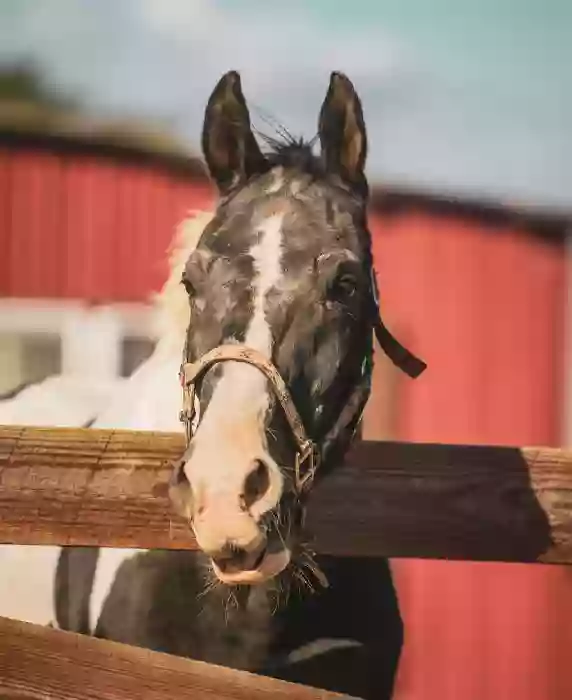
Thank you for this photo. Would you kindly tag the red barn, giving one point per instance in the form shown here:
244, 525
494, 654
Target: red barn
477, 290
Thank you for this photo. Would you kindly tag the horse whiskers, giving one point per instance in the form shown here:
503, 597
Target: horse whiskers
303, 573
307, 562
273, 433
225, 604
210, 585
211, 581
277, 518
302, 580
289, 528
283, 585
304, 569
231, 599
318, 573
282, 540
307, 581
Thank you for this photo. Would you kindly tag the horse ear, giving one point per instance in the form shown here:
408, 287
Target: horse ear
229, 147
342, 132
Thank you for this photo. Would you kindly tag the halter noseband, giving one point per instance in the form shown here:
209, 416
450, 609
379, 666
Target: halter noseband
307, 457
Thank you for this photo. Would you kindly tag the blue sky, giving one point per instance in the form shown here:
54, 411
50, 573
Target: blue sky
465, 95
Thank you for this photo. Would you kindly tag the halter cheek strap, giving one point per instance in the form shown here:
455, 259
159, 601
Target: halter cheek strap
351, 414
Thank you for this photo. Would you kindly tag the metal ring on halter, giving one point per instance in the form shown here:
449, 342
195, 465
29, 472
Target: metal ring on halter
306, 455
190, 413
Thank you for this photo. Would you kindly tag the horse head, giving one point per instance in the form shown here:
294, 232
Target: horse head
278, 355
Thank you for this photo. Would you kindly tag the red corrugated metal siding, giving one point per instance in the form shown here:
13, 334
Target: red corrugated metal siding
5, 237
88, 228
485, 309
174, 201
36, 261
90, 221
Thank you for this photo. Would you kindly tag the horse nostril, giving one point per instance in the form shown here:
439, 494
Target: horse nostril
180, 491
256, 484
179, 477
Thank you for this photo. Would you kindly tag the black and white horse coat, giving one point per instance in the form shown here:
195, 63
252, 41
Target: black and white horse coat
284, 267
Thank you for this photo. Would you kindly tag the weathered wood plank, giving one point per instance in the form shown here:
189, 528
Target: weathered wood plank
89, 487
41, 663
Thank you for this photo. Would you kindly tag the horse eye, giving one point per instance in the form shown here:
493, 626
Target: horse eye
188, 286
343, 288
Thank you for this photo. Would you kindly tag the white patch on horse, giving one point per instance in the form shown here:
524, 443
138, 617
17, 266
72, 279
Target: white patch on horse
242, 386
231, 434
267, 255
108, 563
27, 582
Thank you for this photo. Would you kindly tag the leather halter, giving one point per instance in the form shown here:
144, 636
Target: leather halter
308, 456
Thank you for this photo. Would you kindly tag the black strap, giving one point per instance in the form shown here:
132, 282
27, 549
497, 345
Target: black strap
344, 428
400, 356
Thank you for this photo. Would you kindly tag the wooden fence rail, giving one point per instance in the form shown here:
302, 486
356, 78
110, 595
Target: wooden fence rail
102, 487
39, 662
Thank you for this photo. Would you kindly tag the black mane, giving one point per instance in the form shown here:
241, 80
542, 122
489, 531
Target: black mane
290, 152
297, 153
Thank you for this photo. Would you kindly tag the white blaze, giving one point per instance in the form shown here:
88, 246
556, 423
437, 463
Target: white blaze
243, 388
231, 434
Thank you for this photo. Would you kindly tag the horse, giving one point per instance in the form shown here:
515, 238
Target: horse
273, 301
65, 401
26, 573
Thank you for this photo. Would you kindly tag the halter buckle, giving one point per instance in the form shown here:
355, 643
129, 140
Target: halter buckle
188, 412
305, 456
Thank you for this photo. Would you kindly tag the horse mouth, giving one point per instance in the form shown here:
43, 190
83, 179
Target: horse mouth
268, 564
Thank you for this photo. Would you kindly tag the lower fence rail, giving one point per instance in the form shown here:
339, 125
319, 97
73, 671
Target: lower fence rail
40, 663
